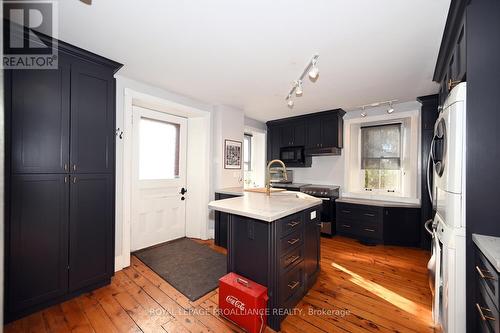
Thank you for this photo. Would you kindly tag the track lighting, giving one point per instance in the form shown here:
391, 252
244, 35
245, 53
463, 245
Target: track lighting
390, 109
314, 71
297, 88
376, 104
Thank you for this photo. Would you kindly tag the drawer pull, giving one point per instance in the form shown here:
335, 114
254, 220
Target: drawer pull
292, 259
346, 211
369, 214
369, 230
484, 276
293, 241
346, 225
480, 309
293, 224
293, 285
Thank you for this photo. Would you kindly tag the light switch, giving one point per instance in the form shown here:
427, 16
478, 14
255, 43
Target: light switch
313, 215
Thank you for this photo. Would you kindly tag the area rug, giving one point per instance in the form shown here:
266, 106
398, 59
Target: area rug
191, 268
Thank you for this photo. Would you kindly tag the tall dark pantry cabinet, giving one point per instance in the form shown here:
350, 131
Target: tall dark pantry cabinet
60, 172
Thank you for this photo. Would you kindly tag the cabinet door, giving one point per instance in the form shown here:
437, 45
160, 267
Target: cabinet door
314, 132
287, 135
91, 229
312, 243
275, 138
92, 118
40, 119
330, 131
38, 242
299, 134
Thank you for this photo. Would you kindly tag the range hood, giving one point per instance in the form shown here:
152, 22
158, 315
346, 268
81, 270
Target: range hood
323, 151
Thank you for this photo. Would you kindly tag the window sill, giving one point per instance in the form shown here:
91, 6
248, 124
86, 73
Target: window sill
381, 197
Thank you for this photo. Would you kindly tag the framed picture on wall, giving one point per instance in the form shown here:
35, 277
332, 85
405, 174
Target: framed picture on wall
232, 154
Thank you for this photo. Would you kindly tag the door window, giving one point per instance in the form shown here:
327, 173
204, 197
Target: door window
158, 149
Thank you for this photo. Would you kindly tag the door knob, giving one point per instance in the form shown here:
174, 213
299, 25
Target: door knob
183, 191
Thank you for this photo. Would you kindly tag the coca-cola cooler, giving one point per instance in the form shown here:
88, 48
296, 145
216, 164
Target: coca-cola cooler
244, 302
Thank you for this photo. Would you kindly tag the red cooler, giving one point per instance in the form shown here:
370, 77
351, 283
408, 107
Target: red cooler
243, 302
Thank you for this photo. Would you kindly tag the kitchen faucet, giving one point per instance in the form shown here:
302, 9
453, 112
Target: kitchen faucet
268, 174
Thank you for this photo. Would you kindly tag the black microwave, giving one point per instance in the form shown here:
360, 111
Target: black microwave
294, 156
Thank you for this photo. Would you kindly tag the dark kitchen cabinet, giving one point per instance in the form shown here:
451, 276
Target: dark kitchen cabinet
320, 133
221, 220
90, 233
60, 158
92, 118
312, 243
38, 232
40, 119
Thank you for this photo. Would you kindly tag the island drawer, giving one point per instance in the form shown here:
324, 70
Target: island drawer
291, 223
486, 312
291, 258
294, 239
292, 283
487, 276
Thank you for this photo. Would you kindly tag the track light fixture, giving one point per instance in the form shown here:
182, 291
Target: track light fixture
376, 104
312, 71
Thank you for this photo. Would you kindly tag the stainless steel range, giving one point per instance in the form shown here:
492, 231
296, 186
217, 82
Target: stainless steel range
327, 193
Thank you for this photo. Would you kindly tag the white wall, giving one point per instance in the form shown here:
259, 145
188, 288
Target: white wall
228, 123
330, 170
2, 189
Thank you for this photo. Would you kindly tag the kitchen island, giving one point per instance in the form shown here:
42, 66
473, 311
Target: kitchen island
274, 241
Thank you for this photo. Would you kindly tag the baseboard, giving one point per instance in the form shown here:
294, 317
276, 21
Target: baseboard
121, 262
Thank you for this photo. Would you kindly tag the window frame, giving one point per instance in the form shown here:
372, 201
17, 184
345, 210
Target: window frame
247, 137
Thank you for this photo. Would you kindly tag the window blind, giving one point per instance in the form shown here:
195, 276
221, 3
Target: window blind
381, 147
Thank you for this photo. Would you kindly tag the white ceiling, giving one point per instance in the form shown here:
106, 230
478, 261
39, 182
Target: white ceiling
247, 53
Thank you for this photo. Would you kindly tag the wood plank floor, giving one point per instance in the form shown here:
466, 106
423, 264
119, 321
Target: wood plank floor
360, 289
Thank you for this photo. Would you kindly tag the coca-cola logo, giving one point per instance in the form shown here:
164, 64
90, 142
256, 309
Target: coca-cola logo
235, 302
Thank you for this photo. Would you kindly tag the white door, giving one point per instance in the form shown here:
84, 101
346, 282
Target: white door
158, 178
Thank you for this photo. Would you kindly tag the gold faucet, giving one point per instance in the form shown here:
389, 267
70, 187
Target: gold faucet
268, 174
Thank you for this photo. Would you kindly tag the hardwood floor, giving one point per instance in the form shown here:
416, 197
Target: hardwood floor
360, 289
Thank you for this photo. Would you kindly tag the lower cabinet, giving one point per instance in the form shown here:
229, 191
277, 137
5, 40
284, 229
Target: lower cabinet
376, 224
221, 222
487, 297
283, 255
60, 238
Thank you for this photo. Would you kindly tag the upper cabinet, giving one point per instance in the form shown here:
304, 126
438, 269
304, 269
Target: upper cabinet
319, 133
451, 66
92, 118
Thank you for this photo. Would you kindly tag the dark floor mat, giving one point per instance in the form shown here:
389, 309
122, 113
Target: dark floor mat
192, 268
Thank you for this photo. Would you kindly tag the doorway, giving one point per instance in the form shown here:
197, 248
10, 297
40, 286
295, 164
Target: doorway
158, 178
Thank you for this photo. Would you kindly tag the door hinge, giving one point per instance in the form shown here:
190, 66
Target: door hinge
119, 133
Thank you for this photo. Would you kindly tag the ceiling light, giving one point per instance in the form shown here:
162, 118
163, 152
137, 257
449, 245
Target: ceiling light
314, 71
390, 109
298, 88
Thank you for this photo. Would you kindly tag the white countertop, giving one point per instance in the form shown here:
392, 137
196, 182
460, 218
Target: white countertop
266, 208
231, 190
378, 203
490, 247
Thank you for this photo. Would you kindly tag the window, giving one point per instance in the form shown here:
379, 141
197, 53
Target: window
158, 149
247, 152
381, 157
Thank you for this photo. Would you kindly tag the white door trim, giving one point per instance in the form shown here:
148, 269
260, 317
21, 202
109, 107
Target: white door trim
198, 178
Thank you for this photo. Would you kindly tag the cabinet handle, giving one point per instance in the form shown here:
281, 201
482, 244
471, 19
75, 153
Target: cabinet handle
74, 167
65, 179
369, 230
292, 259
483, 276
65, 166
452, 83
293, 285
293, 241
346, 211
74, 180
293, 224
480, 309
346, 225
369, 214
